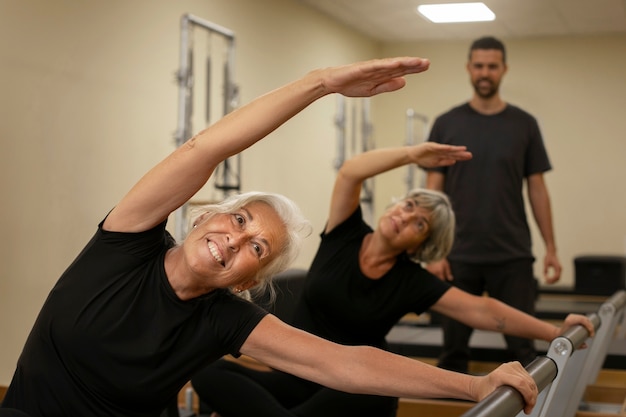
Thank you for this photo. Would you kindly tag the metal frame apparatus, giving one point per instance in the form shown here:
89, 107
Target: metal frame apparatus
565, 372
354, 135
413, 120
229, 180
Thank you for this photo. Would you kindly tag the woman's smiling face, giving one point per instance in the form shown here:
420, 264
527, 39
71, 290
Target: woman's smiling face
228, 249
406, 225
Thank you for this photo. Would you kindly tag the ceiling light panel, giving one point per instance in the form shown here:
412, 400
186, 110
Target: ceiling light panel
456, 12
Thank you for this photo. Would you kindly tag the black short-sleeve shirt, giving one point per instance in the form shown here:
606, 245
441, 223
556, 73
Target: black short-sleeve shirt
113, 339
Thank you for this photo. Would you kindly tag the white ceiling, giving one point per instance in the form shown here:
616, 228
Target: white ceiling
398, 20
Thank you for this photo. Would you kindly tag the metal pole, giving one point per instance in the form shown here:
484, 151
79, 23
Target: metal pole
507, 401
575, 367
610, 314
368, 185
182, 133
570, 359
185, 83
340, 123
411, 117
227, 33
410, 140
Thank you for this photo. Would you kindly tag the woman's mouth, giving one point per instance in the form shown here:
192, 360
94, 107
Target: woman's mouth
215, 252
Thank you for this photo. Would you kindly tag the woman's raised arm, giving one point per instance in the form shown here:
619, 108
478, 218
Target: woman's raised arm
352, 174
179, 176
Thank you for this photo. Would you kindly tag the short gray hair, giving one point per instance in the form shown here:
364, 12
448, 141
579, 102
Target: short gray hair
296, 225
439, 243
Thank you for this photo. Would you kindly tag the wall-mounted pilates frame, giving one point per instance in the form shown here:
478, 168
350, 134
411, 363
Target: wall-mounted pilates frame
218, 45
354, 135
416, 131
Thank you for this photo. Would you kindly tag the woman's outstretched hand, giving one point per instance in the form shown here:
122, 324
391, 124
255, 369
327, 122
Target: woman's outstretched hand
432, 154
368, 78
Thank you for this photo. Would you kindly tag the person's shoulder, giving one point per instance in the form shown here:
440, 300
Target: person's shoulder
456, 110
518, 111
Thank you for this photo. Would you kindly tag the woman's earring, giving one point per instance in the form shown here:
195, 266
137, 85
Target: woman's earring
195, 225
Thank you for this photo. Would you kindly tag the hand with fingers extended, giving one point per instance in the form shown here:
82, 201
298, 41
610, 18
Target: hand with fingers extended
368, 78
430, 154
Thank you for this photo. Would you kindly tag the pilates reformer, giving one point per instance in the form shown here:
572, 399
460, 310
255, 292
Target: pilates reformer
564, 373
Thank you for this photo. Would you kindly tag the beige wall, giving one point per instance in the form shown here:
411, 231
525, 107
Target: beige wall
88, 103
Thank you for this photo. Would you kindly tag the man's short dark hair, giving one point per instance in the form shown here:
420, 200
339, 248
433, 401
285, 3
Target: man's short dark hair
488, 42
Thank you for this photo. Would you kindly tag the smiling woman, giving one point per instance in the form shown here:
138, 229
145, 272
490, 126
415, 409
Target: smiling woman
137, 314
251, 236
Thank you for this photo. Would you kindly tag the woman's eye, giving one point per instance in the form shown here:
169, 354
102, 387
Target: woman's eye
258, 249
239, 218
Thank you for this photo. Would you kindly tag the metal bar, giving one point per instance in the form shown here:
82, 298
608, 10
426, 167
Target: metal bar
610, 314
185, 83
411, 117
563, 378
207, 110
507, 401
209, 25
368, 185
233, 91
183, 78
340, 123
231, 177
410, 141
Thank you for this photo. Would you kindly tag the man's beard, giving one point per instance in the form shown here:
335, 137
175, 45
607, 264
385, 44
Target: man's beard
485, 93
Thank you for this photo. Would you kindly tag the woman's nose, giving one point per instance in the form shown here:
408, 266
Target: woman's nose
408, 216
234, 240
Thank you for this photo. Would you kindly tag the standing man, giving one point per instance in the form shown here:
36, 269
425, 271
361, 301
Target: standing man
492, 248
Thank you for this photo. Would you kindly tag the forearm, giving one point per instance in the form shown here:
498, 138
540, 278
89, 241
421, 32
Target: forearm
369, 370
435, 180
245, 126
356, 369
500, 317
371, 163
544, 222
542, 212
